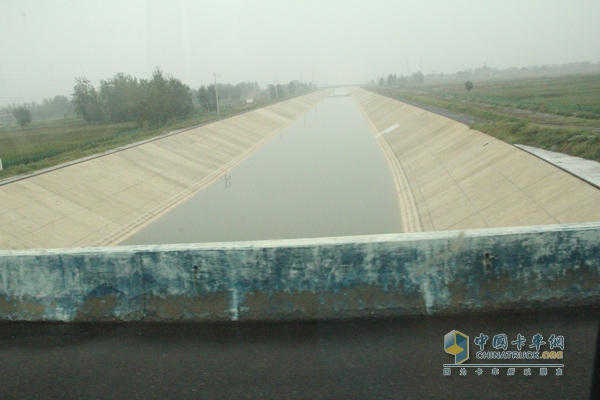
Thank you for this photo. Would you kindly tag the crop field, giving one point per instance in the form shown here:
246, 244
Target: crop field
559, 114
46, 144
570, 96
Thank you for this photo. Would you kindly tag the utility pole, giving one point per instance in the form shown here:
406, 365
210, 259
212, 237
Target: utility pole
276, 91
217, 93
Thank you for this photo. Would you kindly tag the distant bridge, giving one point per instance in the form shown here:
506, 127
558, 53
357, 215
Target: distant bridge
337, 91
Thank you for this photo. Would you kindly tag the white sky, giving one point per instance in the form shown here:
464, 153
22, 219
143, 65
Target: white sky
44, 45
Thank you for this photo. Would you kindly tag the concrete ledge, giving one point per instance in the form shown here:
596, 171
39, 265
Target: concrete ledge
400, 274
586, 170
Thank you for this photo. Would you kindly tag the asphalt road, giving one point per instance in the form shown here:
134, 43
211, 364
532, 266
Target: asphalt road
352, 359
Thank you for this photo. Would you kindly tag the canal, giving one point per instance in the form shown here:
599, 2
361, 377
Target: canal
324, 175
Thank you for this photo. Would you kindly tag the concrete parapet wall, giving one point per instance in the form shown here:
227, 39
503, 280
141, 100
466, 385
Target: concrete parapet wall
399, 274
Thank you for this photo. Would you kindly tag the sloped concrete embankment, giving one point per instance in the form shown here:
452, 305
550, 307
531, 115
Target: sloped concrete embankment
450, 177
98, 201
399, 274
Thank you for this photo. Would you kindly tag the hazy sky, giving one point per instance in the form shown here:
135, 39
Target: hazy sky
45, 44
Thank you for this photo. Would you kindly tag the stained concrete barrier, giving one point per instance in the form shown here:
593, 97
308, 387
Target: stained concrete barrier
398, 274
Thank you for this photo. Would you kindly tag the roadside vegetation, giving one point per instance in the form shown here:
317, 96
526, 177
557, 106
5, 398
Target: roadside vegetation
554, 113
122, 111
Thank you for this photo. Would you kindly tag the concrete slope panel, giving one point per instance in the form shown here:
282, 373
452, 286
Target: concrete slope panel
452, 177
100, 200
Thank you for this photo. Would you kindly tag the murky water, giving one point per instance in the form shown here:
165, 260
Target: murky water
324, 175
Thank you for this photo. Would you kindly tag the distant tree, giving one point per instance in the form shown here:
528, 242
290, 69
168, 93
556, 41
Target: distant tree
417, 77
241, 91
119, 95
51, 108
161, 99
229, 92
87, 102
23, 116
468, 86
292, 87
466, 74
280, 90
204, 98
392, 80
179, 97
273, 92
212, 96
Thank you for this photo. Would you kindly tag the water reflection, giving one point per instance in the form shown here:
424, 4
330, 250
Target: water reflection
325, 176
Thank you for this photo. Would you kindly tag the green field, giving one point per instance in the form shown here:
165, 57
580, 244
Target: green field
46, 144
560, 114
570, 96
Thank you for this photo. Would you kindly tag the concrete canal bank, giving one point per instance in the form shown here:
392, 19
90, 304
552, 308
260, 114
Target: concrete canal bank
452, 177
98, 201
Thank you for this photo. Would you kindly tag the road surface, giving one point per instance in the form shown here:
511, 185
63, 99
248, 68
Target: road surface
350, 359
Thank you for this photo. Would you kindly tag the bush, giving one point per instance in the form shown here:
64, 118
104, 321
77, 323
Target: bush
23, 116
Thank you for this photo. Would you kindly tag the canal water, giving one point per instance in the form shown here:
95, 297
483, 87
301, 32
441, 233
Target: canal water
324, 175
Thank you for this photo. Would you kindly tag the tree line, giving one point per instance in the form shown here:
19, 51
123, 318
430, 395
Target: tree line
148, 102
126, 99
49, 109
396, 81
207, 95
293, 88
160, 99
226, 92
